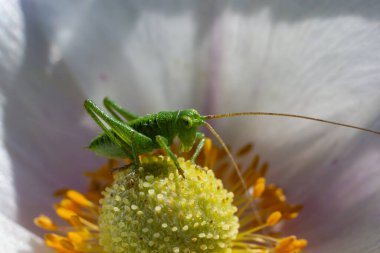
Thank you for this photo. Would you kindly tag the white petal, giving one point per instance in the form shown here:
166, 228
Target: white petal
44, 135
16, 239
135, 53
42, 130
11, 46
11, 38
322, 67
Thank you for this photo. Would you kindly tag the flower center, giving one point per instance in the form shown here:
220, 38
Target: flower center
154, 209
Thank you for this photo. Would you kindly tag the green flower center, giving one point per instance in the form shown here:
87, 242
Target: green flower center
154, 209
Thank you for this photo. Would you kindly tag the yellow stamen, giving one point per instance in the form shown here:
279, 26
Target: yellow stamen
300, 244
79, 198
274, 218
280, 194
76, 237
53, 240
45, 222
68, 204
76, 222
290, 245
259, 187
207, 146
65, 213
67, 244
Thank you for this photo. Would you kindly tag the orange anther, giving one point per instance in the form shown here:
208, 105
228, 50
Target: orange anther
259, 187
300, 244
79, 198
65, 213
207, 147
66, 244
274, 218
75, 237
53, 240
45, 222
290, 244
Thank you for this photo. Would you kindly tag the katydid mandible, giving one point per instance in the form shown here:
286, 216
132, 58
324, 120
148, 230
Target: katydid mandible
127, 135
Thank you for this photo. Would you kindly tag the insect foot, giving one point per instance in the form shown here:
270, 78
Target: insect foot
164, 212
118, 169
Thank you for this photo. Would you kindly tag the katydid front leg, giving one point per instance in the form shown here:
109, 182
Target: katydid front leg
135, 152
201, 137
163, 142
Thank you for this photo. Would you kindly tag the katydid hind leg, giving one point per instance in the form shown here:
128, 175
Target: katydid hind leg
94, 113
104, 146
121, 129
163, 142
116, 110
201, 137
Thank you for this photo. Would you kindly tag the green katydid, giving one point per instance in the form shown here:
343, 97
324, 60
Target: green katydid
128, 135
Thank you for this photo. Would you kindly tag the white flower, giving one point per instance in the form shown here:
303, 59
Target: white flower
319, 59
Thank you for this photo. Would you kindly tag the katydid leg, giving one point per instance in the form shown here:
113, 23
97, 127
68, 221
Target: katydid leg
135, 152
163, 142
94, 114
201, 137
116, 109
121, 129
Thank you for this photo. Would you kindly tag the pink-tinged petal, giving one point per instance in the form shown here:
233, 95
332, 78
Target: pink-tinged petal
341, 208
320, 65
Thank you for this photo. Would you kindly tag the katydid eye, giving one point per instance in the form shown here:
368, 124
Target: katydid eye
187, 121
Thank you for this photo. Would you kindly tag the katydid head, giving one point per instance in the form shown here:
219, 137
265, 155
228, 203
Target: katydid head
187, 124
